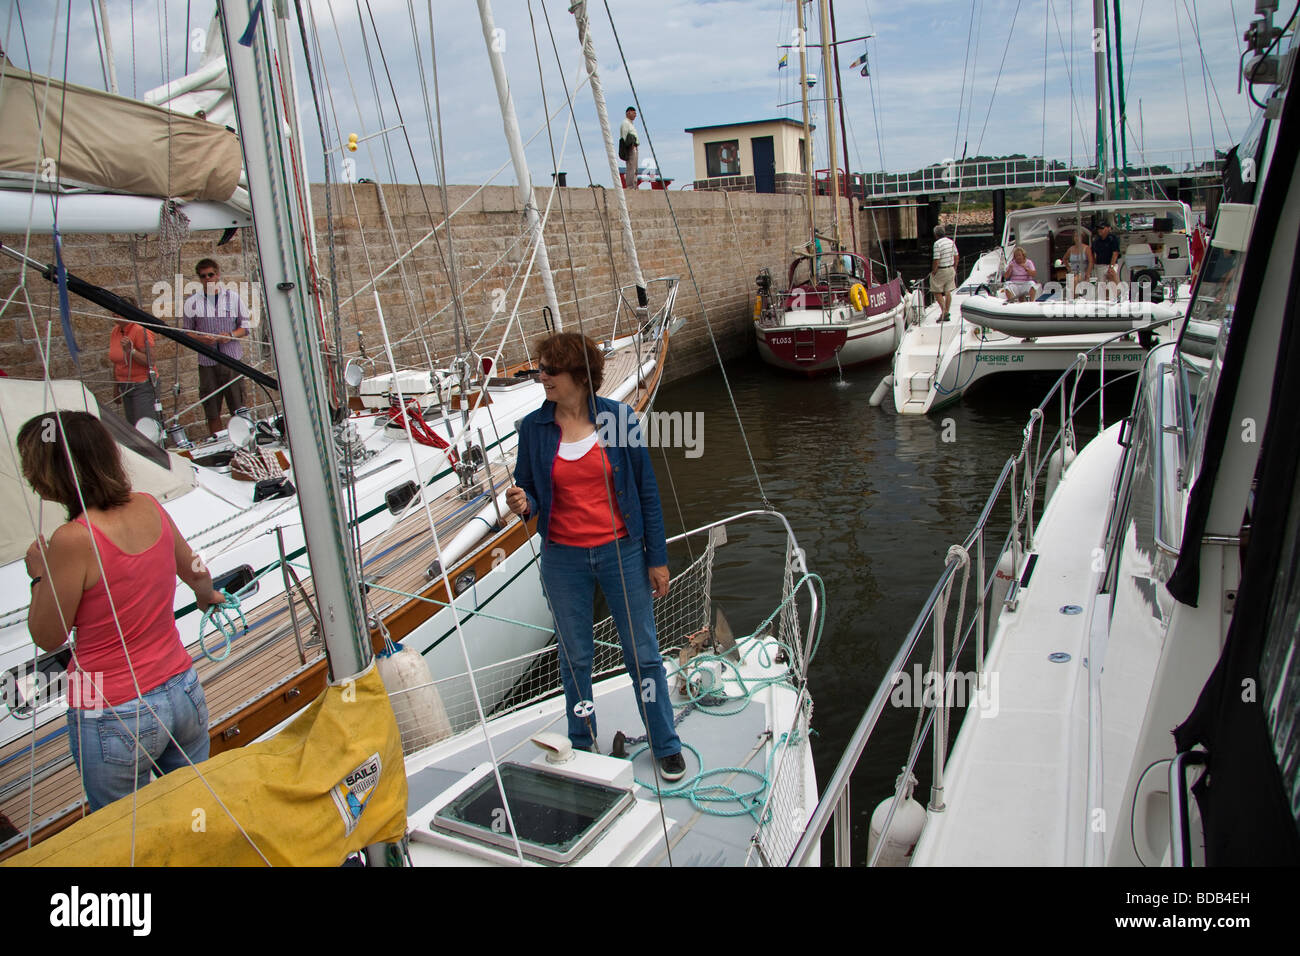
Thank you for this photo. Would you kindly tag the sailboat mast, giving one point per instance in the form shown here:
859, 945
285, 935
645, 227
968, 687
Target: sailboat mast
844, 136
807, 126
579, 11
828, 89
527, 197
1099, 79
282, 256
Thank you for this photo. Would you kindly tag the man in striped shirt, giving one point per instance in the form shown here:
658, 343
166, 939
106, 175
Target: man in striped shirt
219, 318
943, 271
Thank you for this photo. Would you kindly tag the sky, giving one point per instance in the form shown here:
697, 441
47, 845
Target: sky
948, 77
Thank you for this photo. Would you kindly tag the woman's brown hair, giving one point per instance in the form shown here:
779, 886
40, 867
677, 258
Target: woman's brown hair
574, 353
70, 457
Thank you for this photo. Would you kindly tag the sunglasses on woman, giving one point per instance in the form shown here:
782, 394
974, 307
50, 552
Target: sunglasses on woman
552, 370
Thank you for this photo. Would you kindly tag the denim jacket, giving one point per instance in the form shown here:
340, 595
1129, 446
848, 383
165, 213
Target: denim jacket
635, 487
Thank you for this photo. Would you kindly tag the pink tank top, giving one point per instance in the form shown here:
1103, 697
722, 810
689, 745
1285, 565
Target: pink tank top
143, 589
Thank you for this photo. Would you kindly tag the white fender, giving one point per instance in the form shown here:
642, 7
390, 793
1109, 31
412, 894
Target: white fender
904, 830
421, 717
884, 388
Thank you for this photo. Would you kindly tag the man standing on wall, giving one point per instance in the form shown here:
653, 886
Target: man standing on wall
628, 148
943, 271
219, 318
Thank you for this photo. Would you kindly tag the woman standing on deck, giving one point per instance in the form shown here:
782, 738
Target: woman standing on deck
135, 702
1078, 260
597, 503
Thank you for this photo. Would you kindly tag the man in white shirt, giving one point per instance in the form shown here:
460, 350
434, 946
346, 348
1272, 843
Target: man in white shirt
943, 271
628, 147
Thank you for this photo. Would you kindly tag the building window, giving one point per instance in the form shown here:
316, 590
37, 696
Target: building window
722, 159
803, 157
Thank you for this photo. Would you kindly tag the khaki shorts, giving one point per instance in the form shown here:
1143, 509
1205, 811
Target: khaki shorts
943, 280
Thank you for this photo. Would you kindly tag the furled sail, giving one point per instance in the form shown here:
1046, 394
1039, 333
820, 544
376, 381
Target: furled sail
78, 136
329, 784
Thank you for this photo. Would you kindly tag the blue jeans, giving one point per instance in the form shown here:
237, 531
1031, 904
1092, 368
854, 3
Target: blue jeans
569, 576
116, 756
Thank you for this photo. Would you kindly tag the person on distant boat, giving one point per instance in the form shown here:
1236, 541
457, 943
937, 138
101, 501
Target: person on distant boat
1079, 262
629, 147
219, 318
130, 352
943, 271
1020, 277
1105, 259
135, 703
584, 471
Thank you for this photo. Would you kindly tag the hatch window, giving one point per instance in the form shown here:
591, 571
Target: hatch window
557, 817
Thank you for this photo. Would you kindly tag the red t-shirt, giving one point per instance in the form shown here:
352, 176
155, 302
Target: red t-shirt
137, 370
580, 515
143, 589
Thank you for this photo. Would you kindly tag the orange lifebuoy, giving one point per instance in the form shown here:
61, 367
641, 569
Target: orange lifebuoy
858, 296
758, 307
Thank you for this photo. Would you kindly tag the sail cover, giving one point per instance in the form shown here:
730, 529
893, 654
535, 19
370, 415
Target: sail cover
327, 785
79, 136
158, 473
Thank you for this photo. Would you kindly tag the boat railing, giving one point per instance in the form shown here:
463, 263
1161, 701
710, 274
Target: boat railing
524, 680
1030, 171
657, 317
943, 688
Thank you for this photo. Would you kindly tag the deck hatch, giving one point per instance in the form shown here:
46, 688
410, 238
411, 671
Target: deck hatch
557, 816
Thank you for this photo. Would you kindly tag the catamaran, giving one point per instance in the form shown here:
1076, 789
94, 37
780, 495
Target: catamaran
938, 361
1067, 312
1146, 583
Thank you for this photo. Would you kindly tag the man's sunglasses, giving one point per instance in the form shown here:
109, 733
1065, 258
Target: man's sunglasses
552, 370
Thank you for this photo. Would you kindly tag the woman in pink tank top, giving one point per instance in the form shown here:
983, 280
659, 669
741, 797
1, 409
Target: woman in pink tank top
135, 702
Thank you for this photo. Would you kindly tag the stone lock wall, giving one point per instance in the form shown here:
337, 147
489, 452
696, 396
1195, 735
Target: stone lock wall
728, 238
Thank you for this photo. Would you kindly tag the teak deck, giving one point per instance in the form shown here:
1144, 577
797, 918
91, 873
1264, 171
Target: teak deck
266, 678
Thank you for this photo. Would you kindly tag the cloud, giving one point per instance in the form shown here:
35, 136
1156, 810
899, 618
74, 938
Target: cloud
701, 63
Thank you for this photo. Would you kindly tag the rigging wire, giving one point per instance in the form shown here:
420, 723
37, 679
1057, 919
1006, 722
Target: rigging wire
99, 43
583, 27
1207, 78
966, 59
606, 230
1132, 54
694, 283
1187, 102
95, 686
387, 151
1047, 22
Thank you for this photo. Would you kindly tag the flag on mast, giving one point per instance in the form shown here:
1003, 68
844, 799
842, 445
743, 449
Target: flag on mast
783, 62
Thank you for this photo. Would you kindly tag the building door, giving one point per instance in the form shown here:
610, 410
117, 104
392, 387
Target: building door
764, 164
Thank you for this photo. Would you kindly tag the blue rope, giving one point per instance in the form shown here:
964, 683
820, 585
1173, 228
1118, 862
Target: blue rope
223, 617
702, 794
